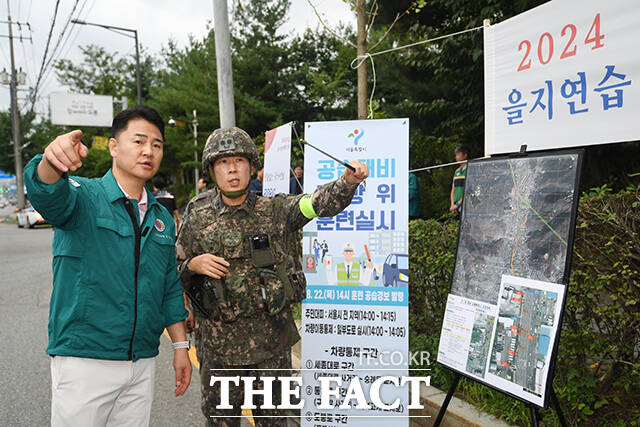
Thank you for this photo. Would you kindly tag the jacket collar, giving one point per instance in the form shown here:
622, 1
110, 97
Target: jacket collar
248, 205
114, 192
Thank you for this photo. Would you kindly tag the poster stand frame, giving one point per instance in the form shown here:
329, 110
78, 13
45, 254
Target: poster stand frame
533, 408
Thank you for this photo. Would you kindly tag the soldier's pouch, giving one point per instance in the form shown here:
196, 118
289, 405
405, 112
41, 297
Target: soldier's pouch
232, 243
237, 301
299, 286
273, 291
209, 297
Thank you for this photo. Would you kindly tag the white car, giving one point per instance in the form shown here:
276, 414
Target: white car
29, 217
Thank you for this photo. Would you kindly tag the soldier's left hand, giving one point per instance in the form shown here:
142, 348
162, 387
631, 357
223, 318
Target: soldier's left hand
361, 173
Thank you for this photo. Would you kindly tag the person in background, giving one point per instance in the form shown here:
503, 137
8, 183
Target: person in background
296, 181
165, 198
202, 184
256, 184
457, 188
414, 197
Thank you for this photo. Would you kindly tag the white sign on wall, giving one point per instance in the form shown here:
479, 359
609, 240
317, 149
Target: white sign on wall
75, 109
277, 157
564, 74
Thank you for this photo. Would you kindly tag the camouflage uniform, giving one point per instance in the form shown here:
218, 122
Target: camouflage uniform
250, 325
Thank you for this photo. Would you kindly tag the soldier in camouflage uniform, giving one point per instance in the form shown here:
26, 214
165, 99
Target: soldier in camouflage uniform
234, 261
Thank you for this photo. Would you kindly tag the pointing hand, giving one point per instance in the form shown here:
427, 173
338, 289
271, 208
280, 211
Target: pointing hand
66, 152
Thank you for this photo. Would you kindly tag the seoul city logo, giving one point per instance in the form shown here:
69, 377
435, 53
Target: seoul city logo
356, 135
159, 225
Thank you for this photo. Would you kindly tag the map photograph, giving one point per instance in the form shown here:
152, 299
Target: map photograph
480, 343
522, 343
516, 220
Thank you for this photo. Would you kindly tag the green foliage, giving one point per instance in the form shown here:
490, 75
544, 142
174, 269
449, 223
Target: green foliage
104, 73
597, 374
6, 149
99, 73
96, 164
35, 136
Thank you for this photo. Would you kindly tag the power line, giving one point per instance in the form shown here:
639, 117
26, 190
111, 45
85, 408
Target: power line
75, 35
44, 57
47, 68
54, 52
49, 71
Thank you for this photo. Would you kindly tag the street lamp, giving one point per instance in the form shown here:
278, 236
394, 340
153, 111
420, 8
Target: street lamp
135, 36
194, 123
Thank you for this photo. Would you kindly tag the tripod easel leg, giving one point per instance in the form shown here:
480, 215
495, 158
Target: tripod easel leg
556, 406
533, 412
447, 399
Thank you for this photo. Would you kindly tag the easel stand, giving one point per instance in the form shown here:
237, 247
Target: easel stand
533, 409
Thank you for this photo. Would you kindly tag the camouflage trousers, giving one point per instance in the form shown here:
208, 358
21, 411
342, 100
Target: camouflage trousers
230, 417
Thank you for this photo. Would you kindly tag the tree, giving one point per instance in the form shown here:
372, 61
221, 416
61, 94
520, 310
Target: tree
104, 73
444, 98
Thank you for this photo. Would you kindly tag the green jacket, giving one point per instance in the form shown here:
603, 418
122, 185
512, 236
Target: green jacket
103, 305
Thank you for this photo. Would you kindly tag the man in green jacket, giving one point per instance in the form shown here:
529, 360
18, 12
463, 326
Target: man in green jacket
115, 282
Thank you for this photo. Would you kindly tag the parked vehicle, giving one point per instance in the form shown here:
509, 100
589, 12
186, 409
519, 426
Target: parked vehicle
29, 217
395, 271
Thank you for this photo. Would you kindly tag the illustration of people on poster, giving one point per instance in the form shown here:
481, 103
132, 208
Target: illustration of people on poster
355, 317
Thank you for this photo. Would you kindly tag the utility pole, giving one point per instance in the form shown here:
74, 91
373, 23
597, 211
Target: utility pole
138, 83
361, 15
223, 64
15, 120
195, 144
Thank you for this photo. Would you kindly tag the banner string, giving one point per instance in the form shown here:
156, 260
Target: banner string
438, 166
360, 59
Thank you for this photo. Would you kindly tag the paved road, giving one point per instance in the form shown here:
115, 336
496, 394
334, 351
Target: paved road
25, 288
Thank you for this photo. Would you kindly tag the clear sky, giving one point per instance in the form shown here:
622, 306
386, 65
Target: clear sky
157, 21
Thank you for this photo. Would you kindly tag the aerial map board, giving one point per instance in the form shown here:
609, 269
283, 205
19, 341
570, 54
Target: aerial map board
512, 265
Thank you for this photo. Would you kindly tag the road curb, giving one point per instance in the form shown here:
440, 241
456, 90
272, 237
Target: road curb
459, 413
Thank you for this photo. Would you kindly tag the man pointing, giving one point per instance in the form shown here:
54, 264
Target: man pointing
115, 283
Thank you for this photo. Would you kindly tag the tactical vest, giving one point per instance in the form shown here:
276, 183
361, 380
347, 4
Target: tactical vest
353, 278
262, 276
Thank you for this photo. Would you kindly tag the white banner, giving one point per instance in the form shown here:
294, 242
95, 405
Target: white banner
75, 109
277, 160
564, 74
355, 317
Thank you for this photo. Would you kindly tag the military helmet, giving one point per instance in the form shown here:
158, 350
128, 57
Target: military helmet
229, 142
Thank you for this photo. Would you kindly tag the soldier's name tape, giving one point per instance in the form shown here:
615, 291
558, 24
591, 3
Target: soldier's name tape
332, 394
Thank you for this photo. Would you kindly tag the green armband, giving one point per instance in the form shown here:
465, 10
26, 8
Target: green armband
306, 207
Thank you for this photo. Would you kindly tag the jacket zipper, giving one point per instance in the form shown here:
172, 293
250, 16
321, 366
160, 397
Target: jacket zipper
136, 228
